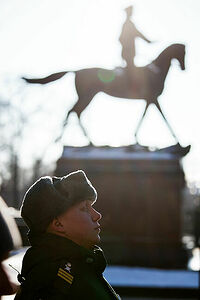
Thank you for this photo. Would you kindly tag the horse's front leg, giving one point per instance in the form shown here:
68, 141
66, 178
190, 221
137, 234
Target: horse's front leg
140, 122
160, 110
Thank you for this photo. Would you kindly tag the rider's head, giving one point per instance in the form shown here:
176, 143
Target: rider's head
129, 11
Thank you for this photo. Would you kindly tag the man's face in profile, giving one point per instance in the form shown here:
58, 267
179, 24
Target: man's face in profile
80, 224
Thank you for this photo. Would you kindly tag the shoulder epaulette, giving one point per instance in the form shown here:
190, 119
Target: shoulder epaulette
64, 277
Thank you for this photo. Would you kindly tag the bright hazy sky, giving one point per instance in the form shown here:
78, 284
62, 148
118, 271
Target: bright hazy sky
38, 37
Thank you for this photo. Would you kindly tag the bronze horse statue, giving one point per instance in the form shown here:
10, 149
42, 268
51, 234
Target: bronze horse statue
145, 83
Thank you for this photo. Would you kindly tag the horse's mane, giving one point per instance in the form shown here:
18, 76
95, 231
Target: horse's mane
169, 51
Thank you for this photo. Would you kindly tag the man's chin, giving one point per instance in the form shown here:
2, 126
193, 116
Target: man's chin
97, 240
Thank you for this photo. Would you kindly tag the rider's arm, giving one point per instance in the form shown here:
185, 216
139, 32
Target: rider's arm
139, 34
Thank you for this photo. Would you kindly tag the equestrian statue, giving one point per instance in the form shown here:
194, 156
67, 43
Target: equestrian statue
130, 82
144, 83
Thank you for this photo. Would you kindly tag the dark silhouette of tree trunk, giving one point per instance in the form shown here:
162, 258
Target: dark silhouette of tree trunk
15, 181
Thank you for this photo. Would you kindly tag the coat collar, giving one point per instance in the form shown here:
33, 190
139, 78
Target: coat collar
60, 247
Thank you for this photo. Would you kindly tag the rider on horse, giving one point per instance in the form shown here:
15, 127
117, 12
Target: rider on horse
127, 38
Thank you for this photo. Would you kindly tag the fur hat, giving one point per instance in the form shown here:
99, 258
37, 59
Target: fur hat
49, 197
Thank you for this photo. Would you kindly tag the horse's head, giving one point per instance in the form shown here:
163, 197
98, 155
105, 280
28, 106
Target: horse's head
178, 52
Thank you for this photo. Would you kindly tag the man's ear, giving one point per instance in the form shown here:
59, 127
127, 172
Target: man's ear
55, 226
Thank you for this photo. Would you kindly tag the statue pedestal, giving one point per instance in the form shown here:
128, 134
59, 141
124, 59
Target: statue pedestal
139, 196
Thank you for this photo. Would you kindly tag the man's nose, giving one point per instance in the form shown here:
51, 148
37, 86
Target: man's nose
96, 216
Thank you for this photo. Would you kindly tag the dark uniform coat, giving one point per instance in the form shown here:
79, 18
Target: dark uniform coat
56, 268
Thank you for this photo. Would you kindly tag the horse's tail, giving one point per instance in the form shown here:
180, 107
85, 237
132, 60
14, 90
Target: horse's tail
50, 78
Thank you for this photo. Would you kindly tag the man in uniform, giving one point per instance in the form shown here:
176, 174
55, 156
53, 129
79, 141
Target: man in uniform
63, 261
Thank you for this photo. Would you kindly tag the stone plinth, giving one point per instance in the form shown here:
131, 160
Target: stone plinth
139, 196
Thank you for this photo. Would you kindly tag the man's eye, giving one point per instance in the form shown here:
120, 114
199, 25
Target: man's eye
84, 208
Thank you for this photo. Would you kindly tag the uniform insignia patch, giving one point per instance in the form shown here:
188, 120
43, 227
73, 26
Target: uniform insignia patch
65, 275
68, 267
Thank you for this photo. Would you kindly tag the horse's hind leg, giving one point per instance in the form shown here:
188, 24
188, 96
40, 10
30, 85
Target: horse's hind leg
84, 131
78, 108
63, 126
